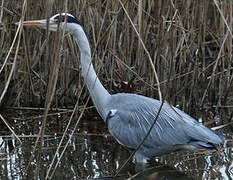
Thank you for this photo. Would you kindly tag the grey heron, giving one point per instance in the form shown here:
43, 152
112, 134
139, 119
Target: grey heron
130, 116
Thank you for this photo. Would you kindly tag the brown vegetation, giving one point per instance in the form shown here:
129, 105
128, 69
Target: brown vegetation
188, 43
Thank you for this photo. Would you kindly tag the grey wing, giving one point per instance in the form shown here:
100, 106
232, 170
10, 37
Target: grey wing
130, 124
129, 127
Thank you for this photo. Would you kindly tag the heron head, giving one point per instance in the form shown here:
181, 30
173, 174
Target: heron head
63, 20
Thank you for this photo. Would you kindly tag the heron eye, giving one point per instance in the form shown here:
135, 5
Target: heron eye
56, 20
59, 19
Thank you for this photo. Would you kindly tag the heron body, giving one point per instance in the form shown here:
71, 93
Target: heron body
130, 116
174, 129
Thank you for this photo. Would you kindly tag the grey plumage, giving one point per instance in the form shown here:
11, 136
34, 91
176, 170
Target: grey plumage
173, 130
130, 116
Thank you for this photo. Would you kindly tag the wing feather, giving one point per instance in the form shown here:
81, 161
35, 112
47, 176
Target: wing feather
134, 116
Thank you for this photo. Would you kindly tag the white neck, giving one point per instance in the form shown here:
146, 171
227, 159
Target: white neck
99, 94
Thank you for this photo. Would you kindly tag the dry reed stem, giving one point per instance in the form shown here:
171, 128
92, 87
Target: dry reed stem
145, 49
12, 45
11, 130
18, 34
65, 132
224, 19
1, 13
214, 69
49, 94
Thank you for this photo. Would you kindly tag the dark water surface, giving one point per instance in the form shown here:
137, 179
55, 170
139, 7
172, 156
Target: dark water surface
93, 153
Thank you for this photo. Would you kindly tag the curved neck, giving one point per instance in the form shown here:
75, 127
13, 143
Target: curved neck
99, 94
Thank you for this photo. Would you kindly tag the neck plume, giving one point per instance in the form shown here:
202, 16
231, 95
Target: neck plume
99, 94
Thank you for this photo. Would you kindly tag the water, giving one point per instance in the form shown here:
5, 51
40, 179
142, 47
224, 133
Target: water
93, 153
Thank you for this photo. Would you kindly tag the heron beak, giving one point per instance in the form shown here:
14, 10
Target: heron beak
41, 22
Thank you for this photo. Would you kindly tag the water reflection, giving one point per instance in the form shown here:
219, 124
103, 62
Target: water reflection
93, 153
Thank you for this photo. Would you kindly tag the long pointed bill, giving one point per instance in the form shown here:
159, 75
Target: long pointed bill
41, 22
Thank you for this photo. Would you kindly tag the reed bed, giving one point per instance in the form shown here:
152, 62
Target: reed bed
180, 51
190, 44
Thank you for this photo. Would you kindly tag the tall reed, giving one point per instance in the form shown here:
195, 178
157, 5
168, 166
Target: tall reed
190, 43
